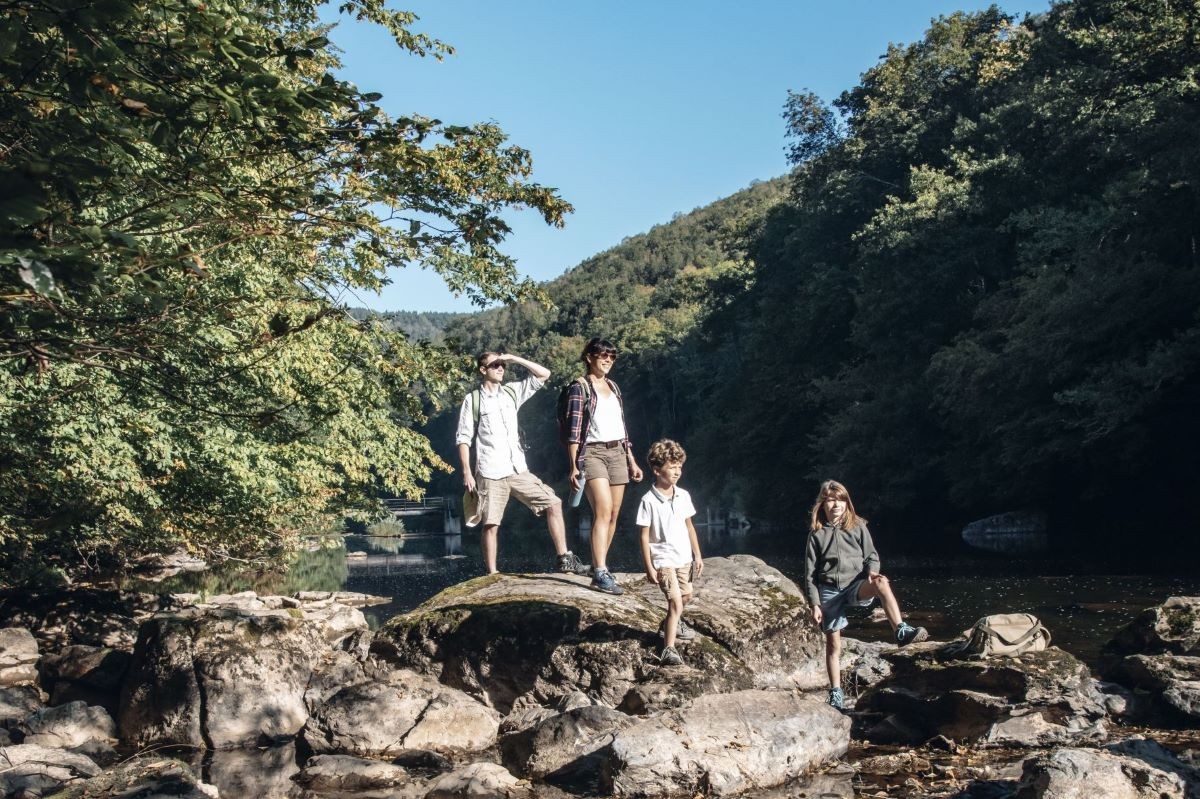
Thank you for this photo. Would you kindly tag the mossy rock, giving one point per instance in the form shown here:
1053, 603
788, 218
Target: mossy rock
543, 636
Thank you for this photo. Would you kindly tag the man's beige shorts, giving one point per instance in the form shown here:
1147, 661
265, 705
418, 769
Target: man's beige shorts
529, 491
680, 579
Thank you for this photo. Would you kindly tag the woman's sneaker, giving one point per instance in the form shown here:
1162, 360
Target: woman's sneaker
837, 699
604, 581
670, 657
568, 563
907, 634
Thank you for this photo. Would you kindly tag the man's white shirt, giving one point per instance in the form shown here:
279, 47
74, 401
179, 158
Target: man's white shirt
498, 452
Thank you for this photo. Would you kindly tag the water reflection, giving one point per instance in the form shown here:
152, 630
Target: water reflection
945, 593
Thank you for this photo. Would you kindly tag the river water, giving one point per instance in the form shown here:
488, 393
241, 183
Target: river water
1081, 604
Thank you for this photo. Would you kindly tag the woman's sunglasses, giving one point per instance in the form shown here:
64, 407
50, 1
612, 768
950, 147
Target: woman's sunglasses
607, 355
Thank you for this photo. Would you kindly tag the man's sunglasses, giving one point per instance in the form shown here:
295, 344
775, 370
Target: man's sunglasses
495, 365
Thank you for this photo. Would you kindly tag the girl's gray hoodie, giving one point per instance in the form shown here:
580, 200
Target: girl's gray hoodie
836, 557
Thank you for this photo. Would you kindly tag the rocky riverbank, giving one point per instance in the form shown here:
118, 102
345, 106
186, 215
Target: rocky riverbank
534, 685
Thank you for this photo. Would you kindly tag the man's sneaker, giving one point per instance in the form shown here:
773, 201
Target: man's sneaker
682, 631
907, 634
604, 581
837, 699
568, 563
670, 657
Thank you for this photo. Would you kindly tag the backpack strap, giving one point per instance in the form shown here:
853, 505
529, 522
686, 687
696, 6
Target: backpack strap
476, 397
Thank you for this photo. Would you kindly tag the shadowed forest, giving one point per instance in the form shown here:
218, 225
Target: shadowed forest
976, 291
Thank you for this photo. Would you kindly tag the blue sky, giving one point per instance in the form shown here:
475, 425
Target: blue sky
633, 111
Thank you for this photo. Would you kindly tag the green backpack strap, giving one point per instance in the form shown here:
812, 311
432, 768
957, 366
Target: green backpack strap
476, 398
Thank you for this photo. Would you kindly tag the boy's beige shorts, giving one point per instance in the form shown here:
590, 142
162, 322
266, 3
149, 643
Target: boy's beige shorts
679, 579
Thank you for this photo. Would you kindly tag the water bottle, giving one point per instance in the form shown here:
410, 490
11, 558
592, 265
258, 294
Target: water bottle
577, 497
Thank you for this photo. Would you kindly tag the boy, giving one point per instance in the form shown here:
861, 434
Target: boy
670, 550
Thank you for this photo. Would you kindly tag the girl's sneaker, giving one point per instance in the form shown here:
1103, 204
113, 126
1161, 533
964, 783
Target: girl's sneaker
837, 699
907, 634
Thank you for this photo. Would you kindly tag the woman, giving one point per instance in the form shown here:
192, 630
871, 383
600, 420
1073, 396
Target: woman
600, 455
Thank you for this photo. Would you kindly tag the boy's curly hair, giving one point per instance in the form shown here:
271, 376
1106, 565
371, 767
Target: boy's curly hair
665, 451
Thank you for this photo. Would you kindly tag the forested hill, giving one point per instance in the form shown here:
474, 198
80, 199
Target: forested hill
980, 293
647, 294
417, 325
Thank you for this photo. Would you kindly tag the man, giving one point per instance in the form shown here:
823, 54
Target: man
488, 417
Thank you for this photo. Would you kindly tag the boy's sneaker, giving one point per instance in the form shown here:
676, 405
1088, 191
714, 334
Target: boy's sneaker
682, 631
837, 699
568, 563
670, 657
907, 634
604, 581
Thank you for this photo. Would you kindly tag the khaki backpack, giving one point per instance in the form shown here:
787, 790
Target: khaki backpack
1004, 635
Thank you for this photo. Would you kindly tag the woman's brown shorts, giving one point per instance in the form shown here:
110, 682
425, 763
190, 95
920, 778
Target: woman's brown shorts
601, 461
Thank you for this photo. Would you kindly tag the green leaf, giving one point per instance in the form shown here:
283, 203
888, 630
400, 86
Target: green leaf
37, 276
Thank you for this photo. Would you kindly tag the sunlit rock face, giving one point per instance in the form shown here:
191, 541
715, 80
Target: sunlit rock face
1158, 656
506, 638
1036, 699
725, 744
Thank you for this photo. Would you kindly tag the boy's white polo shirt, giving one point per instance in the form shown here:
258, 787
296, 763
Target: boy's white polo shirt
670, 544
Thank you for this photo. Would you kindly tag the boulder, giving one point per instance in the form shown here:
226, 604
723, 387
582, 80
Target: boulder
478, 781
1172, 628
1157, 656
218, 678
146, 776
87, 673
759, 615
1170, 684
18, 702
863, 664
18, 657
345, 773
405, 711
564, 744
1036, 699
67, 726
38, 770
504, 637
1155, 754
725, 744
1083, 773
90, 616
338, 669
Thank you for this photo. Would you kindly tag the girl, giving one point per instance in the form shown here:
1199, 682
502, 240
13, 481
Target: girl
841, 570
599, 451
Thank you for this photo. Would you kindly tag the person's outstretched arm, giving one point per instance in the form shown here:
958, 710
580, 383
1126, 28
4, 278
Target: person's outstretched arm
535, 369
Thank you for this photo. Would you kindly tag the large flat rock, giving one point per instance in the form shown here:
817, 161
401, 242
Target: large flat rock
542, 636
725, 744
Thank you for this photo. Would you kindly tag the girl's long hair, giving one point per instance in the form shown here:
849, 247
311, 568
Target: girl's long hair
832, 488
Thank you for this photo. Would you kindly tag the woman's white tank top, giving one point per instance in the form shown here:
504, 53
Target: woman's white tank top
606, 423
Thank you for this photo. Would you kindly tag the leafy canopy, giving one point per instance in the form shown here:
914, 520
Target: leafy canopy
188, 195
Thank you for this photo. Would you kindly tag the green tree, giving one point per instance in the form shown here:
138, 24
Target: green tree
186, 192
